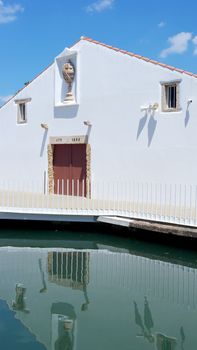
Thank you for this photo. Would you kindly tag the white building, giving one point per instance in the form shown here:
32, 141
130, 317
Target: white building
126, 117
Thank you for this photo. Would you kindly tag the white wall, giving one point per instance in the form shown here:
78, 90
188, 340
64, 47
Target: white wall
23, 147
126, 144
111, 97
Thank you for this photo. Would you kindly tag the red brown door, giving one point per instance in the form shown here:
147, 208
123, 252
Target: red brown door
69, 165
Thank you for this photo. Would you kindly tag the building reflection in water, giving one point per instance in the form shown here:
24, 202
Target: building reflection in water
165, 342
182, 333
44, 286
63, 318
146, 324
19, 303
169, 288
70, 269
160, 340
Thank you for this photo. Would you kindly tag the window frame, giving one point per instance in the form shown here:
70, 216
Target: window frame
164, 103
19, 103
22, 113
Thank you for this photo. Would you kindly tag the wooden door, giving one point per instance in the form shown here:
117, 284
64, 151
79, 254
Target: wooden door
69, 166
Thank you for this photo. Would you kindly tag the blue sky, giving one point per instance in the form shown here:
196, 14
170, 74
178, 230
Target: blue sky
33, 32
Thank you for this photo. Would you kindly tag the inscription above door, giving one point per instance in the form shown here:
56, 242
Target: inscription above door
78, 139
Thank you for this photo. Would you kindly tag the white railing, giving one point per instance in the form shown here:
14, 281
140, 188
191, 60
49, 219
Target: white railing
169, 203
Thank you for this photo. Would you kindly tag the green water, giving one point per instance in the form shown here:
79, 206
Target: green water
83, 291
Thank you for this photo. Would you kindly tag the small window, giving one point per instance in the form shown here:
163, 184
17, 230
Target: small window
170, 97
22, 113
170, 92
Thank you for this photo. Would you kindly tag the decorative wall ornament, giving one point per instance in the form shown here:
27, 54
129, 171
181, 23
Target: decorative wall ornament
68, 72
44, 126
50, 169
88, 171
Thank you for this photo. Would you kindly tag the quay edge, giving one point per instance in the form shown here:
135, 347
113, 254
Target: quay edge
162, 228
113, 221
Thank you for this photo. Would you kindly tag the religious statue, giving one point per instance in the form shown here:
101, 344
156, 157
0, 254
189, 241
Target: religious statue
68, 72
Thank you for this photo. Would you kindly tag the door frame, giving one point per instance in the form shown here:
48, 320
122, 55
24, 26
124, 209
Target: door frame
68, 140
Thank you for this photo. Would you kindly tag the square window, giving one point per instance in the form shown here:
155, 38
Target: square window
170, 97
22, 113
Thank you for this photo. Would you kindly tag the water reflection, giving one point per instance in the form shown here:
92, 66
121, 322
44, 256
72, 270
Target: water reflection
70, 269
50, 288
182, 333
147, 324
161, 341
63, 326
19, 303
42, 274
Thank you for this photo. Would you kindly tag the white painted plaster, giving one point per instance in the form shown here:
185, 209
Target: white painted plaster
126, 143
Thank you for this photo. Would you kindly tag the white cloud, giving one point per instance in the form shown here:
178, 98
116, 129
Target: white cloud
161, 24
194, 40
100, 6
8, 13
178, 44
4, 99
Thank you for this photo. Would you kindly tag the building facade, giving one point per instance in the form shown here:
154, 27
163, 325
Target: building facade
99, 113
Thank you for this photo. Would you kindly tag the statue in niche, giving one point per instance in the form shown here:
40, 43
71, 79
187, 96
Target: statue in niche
68, 72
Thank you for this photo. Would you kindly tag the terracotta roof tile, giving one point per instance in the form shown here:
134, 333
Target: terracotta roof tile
117, 50
130, 53
180, 70
188, 73
145, 59
162, 64
141, 57
137, 56
123, 51
153, 61
169, 67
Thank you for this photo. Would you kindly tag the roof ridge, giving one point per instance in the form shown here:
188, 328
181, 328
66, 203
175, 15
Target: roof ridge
172, 68
25, 85
37, 75
125, 52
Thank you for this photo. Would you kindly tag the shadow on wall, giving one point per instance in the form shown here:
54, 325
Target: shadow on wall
68, 112
187, 113
152, 123
151, 128
43, 142
88, 132
141, 125
187, 117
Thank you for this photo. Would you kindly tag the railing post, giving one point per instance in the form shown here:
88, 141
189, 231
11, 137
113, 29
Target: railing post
171, 203
190, 206
185, 198
196, 205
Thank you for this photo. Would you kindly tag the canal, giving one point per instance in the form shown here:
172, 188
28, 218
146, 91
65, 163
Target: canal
83, 291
